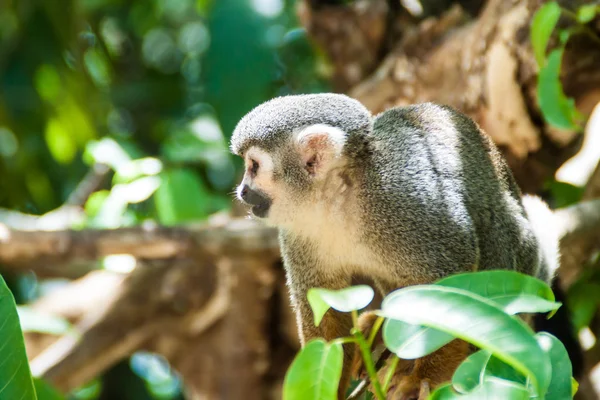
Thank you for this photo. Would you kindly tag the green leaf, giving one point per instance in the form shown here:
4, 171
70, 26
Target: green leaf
318, 305
413, 341
542, 25
470, 373
583, 300
558, 110
45, 391
562, 371
500, 369
474, 319
491, 389
315, 372
345, 300
480, 366
586, 13
181, 197
513, 291
15, 376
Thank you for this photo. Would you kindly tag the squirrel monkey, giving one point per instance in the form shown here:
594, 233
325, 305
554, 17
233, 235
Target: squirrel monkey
406, 197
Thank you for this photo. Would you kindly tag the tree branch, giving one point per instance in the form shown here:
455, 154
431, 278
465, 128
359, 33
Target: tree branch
47, 252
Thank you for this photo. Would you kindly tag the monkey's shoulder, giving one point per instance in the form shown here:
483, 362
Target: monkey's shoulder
425, 118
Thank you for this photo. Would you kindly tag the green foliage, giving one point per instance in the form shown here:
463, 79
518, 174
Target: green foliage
15, 377
558, 109
46, 392
132, 81
181, 196
513, 292
587, 12
474, 319
315, 372
564, 194
349, 299
150, 89
479, 308
490, 389
542, 25
560, 384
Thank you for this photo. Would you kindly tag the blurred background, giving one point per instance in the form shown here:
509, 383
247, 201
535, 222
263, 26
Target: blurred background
164, 81
150, 89
115, 117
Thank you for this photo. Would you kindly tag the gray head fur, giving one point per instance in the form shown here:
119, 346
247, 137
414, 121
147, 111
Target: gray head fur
269, 125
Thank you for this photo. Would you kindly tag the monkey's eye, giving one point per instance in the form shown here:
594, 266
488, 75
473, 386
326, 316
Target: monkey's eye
254, 167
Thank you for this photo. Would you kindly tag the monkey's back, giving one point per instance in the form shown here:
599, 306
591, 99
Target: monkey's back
438, 190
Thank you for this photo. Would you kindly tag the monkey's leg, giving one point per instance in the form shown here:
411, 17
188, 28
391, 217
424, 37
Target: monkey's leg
413, 379
429, 372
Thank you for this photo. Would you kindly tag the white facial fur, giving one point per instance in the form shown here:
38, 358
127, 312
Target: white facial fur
263, 179
324, 141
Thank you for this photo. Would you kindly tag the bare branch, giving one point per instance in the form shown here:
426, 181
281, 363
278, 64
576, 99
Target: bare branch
47, 253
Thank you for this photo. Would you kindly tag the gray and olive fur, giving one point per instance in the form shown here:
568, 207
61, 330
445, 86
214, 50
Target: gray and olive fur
417, 193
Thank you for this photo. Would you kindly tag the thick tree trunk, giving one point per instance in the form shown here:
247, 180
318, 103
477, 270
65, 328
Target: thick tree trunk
484, 67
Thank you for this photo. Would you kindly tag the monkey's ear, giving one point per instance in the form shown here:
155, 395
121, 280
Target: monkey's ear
319, 145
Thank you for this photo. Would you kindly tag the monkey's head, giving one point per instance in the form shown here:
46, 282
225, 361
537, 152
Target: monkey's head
291, 146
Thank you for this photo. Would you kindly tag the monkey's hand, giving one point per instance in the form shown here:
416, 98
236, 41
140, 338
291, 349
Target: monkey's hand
412, 379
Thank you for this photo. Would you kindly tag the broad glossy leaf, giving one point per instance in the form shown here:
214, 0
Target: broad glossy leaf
480, 366
499, 369
542, 25
470, 373
513, 291
344, 300
474, 319
45, 391
562, 371
413, 341
558, 110
315, 372
15, 376
491, 389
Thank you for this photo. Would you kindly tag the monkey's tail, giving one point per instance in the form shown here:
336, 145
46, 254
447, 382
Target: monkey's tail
546, 231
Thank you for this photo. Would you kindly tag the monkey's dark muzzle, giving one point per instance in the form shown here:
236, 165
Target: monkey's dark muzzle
259, 201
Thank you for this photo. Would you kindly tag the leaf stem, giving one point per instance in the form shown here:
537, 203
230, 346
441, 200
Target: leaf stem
355, 319
374, 330
369, 365
344, 340
390, 373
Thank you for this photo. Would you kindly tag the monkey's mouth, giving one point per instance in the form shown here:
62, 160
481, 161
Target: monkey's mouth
261, 210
